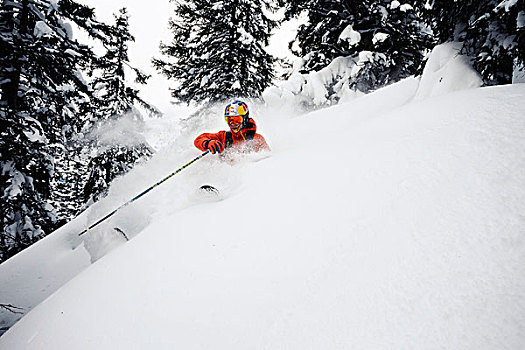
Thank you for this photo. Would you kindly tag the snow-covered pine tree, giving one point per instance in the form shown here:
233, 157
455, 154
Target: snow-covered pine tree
318, 42
69, 178
39, 74
116, 155
384, 37
399, 43
402, 38
217, 51
450, 18
492, 32
71, 147
493, 41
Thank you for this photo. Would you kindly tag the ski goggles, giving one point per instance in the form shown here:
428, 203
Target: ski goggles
236, 119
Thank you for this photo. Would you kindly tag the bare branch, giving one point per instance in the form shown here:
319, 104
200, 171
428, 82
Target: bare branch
12, 308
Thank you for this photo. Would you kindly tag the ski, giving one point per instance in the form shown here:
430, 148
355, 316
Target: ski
210, 189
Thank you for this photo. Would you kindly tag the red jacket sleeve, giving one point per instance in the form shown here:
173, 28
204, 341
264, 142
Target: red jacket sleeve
200, 141
259, 143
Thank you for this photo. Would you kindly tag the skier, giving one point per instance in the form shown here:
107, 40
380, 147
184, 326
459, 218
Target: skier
242, 134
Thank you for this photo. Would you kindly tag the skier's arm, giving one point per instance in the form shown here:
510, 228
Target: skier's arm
260, 143
202, 141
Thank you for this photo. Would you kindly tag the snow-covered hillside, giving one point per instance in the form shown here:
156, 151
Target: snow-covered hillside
387, 222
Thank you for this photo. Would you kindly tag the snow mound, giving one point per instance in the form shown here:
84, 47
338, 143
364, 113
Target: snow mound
313, 90
445, 71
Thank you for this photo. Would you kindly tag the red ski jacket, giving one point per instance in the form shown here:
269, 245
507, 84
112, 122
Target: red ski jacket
245, 137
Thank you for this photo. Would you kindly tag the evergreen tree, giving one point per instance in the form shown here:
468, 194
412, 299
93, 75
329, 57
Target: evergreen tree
385, 38
493, 41
115, 94
318, 41
491, 32
70, 177
217, 51
39, 74
449, 19
403, 38
116, 100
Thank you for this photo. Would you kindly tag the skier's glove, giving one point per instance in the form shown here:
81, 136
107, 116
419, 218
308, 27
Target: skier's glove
214, 146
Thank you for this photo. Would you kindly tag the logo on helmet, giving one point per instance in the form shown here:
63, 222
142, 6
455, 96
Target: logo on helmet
236, 108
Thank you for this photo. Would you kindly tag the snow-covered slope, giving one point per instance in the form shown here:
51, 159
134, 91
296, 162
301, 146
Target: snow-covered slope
392, 221
376, 224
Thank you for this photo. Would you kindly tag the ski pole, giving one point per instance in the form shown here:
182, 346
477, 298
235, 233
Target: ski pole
143, 193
